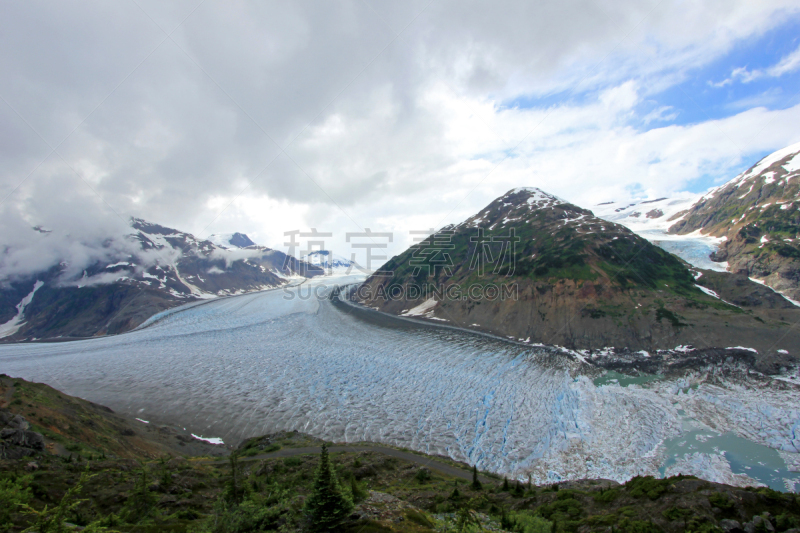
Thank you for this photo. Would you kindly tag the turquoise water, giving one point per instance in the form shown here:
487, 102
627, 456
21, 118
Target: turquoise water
761, 463
615, 378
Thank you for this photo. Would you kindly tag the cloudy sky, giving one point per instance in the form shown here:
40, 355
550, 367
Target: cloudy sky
263, 118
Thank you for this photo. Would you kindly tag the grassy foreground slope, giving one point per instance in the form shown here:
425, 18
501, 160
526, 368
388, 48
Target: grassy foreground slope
90, 483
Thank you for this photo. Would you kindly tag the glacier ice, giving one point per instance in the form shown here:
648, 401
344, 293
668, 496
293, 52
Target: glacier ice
284, 360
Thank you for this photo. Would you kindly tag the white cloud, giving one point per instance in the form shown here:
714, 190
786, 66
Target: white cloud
303, 116
789, 63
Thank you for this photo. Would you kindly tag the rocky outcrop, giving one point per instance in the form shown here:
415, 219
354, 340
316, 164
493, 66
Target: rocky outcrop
16, 439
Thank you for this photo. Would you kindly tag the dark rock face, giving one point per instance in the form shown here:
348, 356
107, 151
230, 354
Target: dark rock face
241, 240
16, 441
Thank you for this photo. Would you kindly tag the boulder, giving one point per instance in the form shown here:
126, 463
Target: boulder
23, 438
731, 526
758, 523
18, 422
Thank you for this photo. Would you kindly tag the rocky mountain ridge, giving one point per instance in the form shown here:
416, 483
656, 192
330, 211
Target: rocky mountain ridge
758, 215
171, 268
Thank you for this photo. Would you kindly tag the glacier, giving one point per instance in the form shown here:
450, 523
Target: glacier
283, 359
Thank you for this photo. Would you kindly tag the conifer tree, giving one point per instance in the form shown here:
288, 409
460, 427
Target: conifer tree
505, 484
234, 488
476, 483
328, 504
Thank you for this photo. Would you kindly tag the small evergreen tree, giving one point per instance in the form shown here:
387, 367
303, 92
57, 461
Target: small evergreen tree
234, 490
518, 490
142, 502
328, 505
359, 494
505, 484
505, 521
476, 483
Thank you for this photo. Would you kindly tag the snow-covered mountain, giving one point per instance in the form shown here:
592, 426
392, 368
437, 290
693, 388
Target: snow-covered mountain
651, 219
756, 217
158, 268
331, 263
645, 215
231, 240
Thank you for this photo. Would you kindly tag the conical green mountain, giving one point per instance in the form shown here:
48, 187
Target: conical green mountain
566, 277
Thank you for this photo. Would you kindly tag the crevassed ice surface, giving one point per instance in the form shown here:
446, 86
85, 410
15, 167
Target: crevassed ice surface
252, 364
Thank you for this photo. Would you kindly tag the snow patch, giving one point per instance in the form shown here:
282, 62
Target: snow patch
13, 325
210, 440
423, 309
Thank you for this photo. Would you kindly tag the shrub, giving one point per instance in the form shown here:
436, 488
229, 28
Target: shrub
647, 486
525, 522
247, 516
677, 513
14, 493
639, 526
357, 491
418, 517
142, 502
423, 475
292, 462
720, 500
606, 495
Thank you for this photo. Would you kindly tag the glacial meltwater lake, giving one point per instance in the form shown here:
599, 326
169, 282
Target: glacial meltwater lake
281, 360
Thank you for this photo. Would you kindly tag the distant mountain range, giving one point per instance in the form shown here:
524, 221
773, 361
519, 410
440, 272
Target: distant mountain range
749, 225
171, 268
583, 282
585, 279
331, 263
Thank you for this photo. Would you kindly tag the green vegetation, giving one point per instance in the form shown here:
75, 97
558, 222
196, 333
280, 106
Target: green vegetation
662, 313
328, 505
351, 492
14, 492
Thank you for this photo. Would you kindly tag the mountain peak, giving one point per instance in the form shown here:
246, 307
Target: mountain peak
523, 204
231, 240
533, 196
